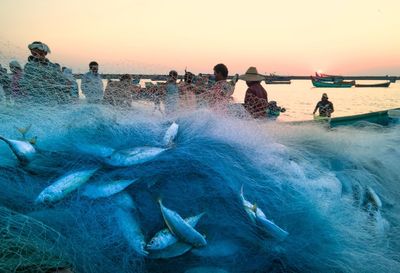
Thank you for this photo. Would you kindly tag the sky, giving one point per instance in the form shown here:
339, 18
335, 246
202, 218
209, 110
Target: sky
348, 37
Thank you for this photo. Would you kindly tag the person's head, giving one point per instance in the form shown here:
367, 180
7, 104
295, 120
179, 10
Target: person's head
250, 83
15, 66
220, 72
126, 78
188, 78
94, 67
324, 96
172, 76
39, 50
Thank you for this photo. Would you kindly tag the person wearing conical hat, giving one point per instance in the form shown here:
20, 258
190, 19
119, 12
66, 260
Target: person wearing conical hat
256, 98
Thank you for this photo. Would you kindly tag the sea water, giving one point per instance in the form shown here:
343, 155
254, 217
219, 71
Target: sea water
308, 179
300, 98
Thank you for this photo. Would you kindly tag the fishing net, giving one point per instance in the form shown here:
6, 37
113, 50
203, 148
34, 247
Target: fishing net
309, 180
28, 245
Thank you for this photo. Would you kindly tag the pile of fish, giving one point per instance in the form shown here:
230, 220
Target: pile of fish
179, 236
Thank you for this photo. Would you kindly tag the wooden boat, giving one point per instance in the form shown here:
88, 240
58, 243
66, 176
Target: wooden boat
329, 84
384, 118
381, 117
385, 84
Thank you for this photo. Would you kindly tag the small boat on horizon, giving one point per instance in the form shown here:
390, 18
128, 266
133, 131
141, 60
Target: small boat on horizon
277, 82
331, 84
385, 84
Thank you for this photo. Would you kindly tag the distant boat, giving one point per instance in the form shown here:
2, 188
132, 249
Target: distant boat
385, 84
321, 75
328, 78
277, 82
328, 84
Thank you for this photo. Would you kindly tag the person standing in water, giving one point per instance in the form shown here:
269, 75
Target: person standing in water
171, 93
324, 106
119, 93
42, 80
256, 98
92, 84
187, 92
221, 92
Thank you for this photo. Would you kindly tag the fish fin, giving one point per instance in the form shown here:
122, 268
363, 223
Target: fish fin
33, 140
254, 208
202, 214
24, 130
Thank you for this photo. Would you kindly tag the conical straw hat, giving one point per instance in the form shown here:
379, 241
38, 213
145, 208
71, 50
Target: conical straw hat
252, 75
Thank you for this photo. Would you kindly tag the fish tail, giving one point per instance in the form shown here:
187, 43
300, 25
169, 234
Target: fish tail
242, 192
5, 140
202, 214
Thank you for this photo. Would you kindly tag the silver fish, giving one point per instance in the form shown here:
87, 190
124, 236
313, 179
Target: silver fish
258, 217
130, 229
175, 250
180, 228
270, 227
373, 199
101, 190
129, 157
165, 238
23, 150
248, 207
170, 134
64, 185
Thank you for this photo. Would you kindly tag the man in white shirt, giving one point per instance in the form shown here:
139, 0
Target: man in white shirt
92, 84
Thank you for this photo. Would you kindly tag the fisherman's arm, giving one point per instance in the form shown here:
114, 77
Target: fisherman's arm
316, 108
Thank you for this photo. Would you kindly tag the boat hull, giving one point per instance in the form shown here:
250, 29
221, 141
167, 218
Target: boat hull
325, 84
385, 84
384, 118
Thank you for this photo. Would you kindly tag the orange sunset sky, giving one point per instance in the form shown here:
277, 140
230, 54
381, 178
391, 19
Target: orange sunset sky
137, 36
